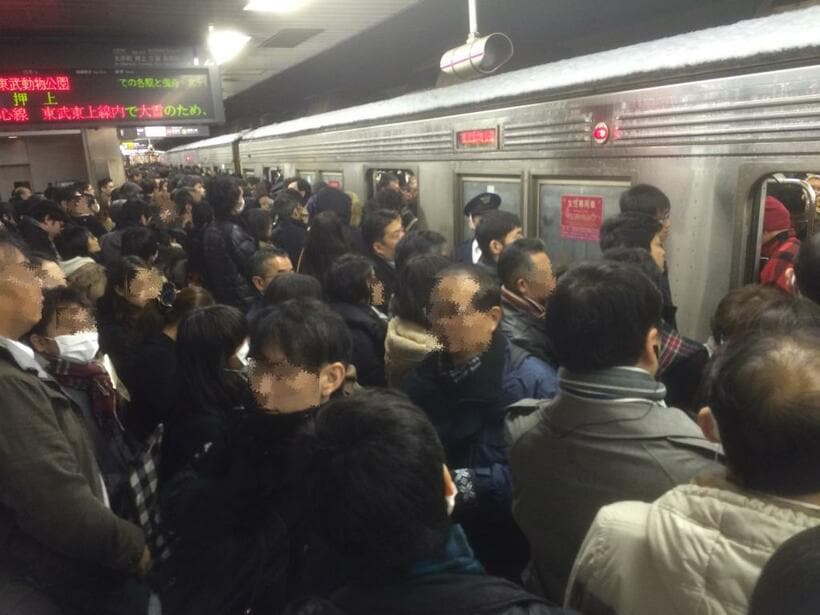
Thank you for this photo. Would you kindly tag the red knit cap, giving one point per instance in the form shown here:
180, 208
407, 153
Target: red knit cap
777, 217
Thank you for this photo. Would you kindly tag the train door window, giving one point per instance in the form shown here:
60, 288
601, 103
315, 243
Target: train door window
407, 180
308, 176
799, 192
570, 213
508, 188
334, 179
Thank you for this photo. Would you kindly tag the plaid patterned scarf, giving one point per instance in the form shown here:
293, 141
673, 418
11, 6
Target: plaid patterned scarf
95, 381
673, 347
458, 373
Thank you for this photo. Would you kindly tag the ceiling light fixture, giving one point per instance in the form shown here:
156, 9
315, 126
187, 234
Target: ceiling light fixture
274, 6
225, 45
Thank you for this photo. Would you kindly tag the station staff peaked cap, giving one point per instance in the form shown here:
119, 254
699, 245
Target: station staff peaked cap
486, 201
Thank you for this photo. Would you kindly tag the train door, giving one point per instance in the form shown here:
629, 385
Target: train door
334, 179
407, 179
570, 213
308, 176
508, 187
799, 192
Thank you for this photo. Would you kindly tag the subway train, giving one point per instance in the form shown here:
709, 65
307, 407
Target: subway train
717, 119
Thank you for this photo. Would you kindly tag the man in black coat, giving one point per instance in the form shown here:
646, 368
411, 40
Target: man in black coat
43, 224
467, 251
382, 496
381, 231
527, 281
227, 247
243, 538
290, 231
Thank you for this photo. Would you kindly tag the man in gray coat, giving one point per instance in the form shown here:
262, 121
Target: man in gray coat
62, 549
607, 436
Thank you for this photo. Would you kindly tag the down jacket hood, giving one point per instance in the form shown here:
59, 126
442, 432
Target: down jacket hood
709, 542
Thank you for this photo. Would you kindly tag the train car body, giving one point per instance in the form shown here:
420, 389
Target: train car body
713, 118
219, 154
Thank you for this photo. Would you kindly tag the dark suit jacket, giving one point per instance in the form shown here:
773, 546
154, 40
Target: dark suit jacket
463, 252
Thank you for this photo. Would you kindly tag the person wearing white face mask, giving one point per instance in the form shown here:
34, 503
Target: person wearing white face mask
66, 345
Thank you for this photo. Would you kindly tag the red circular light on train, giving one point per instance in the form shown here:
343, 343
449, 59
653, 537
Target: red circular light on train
600, 133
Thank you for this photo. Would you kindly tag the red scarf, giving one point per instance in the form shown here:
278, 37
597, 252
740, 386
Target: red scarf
92, 378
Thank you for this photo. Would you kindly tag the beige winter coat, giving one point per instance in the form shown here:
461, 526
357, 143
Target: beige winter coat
405, 345
697, 550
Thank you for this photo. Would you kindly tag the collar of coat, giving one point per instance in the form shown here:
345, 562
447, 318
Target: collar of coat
524, 304
614, 383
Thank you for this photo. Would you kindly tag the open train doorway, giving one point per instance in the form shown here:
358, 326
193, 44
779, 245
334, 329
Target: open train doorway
796, 196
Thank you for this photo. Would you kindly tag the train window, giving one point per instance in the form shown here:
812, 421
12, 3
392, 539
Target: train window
800, 193
570, 213
508, 188
334, 179
308, 176
406, 178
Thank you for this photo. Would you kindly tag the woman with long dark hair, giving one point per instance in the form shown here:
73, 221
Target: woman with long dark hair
132, 304
227, 548
211, 351
154, 390
326, 241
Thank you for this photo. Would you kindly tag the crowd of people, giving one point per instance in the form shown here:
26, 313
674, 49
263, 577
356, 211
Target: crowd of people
228, 397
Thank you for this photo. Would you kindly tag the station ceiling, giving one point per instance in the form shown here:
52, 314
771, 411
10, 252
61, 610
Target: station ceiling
335, 53
278, 41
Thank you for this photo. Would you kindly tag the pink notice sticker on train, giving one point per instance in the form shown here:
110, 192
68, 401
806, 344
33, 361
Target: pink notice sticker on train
581, 217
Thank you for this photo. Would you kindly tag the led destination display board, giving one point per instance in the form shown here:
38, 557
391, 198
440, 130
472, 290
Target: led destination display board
109, 97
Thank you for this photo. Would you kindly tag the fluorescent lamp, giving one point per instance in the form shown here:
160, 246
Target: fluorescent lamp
225, 45
274, 6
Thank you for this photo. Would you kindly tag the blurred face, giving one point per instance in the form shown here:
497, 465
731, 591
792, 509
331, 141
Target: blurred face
51, 275
295, 186
25, 194
108, 188
68, 320
376, 289
53, 227
464, 331
282, 388
21, 295
276, 266
144, 287
540, 281
240, 202
386, 248
496, 247
393, 185
657, 251
199, 189
666, 220
93, 244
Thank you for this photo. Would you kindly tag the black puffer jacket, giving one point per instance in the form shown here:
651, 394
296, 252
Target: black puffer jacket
227, 249
368, 332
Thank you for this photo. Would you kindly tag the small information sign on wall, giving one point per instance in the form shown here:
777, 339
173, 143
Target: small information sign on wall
581, 217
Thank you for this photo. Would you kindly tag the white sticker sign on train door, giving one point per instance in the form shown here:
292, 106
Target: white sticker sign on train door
490, 188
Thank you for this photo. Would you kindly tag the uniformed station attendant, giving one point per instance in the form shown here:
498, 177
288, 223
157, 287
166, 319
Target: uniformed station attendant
468, 251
